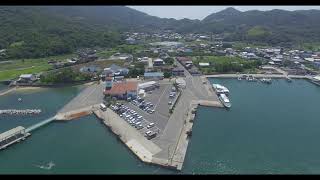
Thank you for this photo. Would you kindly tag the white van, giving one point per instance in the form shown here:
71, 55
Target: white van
103, 107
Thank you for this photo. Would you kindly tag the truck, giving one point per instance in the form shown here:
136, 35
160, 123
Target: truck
151, 135
103, 107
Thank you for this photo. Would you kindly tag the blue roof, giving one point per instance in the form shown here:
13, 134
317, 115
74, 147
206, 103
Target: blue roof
153, 74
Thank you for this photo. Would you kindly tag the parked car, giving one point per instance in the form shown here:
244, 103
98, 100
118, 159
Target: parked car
150, 125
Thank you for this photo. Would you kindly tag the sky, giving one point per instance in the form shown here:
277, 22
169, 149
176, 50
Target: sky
200, 12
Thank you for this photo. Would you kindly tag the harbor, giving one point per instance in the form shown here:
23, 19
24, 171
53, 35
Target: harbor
175, 130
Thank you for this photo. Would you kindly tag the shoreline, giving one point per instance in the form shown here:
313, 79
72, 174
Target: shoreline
257, 76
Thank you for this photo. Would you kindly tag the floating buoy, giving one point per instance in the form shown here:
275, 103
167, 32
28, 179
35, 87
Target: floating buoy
19, 99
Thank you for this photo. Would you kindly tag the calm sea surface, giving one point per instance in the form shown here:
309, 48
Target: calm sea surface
269, 129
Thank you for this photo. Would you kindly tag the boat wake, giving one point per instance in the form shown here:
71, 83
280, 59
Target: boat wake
49, 166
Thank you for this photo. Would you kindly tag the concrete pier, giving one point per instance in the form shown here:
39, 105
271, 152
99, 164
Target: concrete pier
83, 104
136, 142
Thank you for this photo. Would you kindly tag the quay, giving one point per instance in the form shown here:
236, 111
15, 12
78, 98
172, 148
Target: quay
169, 148
258, 76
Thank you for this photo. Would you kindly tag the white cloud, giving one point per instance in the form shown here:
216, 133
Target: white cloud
200, 12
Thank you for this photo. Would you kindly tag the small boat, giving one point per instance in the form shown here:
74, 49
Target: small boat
250, 78
266, 80
48, 167
19, 99
225, 100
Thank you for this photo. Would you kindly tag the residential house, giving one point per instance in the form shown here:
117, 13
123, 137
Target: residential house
178, 71
158, 62
115, 70
27, 78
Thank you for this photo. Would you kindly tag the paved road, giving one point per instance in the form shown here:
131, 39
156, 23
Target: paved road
195, 90
91, 95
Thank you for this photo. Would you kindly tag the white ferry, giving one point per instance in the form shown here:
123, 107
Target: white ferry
220, 89
316, 80
225, 100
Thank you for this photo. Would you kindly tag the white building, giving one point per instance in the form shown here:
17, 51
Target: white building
204, 64
27, 77
148, 86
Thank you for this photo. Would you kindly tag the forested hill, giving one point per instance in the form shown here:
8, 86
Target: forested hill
273, 27
42, 31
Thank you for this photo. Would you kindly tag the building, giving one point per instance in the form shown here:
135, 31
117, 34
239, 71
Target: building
202, 64
13, 135
158, 62
115, 70
148, 86
153, 75
131, 40
27, 78
183, 59
121, 90
90, 69
178, 71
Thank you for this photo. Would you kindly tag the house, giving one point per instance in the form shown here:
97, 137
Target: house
158, 62
121, 90
164, 56
131, 40
183, 59
25, 78
153, 75
178, 71
115, 70
90, 69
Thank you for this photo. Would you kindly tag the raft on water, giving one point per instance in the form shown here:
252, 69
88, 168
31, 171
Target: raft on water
20, 112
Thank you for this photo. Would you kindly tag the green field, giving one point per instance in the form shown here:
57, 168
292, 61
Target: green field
224, 64
14, 68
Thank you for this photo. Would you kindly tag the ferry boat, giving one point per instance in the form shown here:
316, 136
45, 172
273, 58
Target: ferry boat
316, 80
225, 100
220, 89
266, 80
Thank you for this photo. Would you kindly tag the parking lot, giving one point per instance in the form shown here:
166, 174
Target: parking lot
153, 108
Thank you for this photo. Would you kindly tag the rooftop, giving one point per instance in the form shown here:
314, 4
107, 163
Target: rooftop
121, 88
11, 132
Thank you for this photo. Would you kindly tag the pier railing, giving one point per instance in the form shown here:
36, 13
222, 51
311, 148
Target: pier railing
42, 123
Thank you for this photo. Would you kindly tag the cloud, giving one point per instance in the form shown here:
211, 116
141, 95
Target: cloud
200, 12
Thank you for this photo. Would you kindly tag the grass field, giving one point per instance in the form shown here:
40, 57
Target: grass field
224, 64
14, 68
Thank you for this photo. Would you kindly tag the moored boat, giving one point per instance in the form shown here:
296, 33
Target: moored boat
225, 100
220, 89
266, 80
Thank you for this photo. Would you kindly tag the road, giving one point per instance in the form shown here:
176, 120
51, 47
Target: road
195, 90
